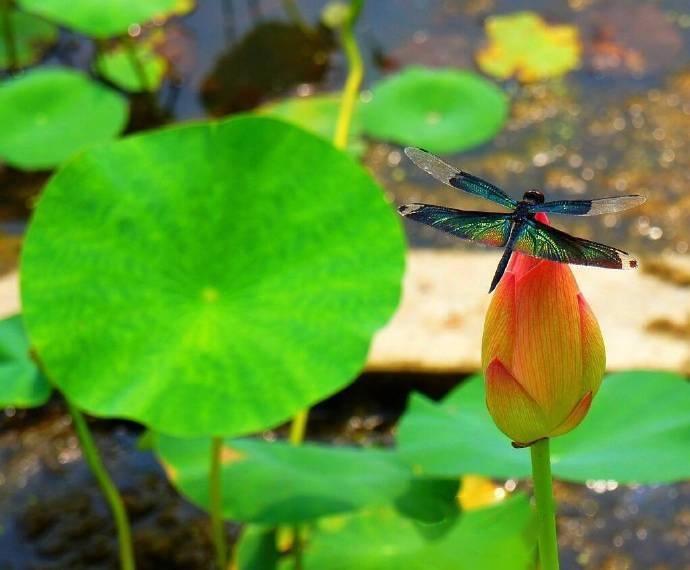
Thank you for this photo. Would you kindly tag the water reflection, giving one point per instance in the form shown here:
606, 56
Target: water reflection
271, 60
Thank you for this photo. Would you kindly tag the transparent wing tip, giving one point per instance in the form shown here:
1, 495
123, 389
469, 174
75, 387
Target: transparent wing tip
627, 261
408, 209
632, 201
615, 204
413, 151
416, 154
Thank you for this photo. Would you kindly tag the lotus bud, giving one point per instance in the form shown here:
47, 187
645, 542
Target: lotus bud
542, 352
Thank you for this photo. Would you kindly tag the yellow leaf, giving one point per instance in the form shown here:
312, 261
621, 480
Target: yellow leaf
229, 455
523, 45
170, 471
477, 492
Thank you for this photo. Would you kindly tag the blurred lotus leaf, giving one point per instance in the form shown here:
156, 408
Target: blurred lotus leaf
100, 18
500, 537
318, 115
32, 37
607, 445
49, 114
125, 69
209, 279
440, 110
523, 45
272, 59
21, 383
315, 480
257, 547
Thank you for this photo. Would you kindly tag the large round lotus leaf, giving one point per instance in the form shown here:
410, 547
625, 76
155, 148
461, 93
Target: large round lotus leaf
314, 480
47, 115
100, 18
21, 383
500, 537
440, 110
32, 36
119, 67
638, 431
212, 279
318, 115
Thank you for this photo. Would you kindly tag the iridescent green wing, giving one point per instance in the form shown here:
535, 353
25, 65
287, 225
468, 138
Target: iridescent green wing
483, 227
589, 207
539, 240
457, 178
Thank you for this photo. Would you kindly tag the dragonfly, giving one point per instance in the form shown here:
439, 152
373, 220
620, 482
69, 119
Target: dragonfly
518, 230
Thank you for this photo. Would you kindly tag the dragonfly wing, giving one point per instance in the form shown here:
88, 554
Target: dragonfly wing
483, 227
457, 178
539, 240
589, 207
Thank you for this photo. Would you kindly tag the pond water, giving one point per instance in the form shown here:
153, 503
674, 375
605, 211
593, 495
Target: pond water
618, 125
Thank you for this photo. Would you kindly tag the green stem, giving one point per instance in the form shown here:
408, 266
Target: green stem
546, 513
354, 76
9, 35
111, 493
342, 131
216, 503
298, 428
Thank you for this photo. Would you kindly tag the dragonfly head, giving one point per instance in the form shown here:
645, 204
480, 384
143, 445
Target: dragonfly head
533, 197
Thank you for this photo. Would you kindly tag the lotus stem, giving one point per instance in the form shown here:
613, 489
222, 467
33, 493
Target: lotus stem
93, 459
9, 35
354, 76
216, 504
298, 428
342, 132
546, 513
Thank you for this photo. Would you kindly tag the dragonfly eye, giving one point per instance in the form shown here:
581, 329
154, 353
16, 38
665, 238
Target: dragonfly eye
534, 197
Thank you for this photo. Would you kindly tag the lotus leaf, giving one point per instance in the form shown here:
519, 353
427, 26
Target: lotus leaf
120, 67
314, 480
22, 384
633, 442
32, 36
49, 114
318, 114
440, 110
211, 279
100, 18
500, 537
